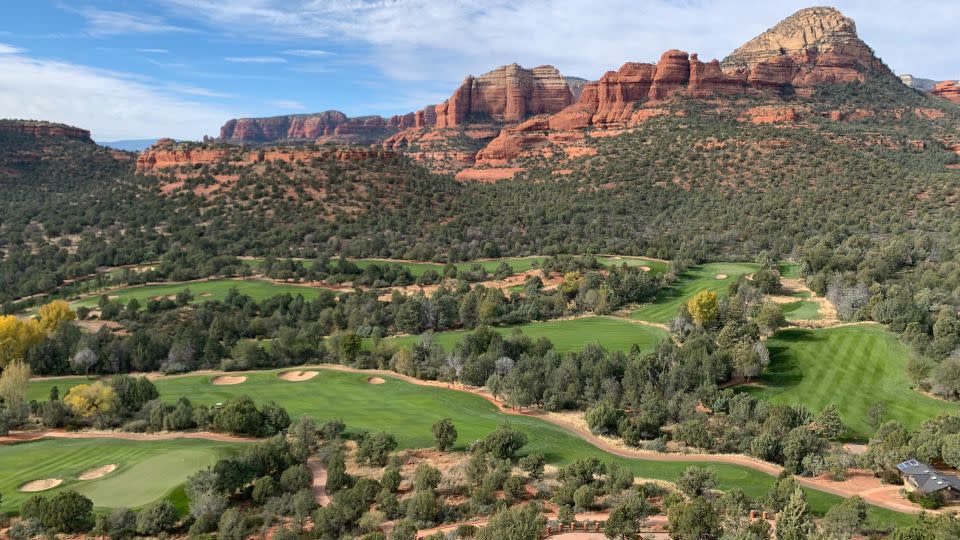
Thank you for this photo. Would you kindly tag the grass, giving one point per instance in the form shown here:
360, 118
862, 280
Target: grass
146, 471
567, 335
789, 270
694, 280
408, 411
852, 367
801, 310
214, 289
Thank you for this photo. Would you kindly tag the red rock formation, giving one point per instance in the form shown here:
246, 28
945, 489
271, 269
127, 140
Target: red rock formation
709, 78
949, 90
44, 129
290, 127
166, 154
672, 75
770, 115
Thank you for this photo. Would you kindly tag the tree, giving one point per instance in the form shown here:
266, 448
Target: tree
770, 317
694, 520
422, 508
584, 496
391, 476
65, 512
950, 449
375, 449
444, 434
405, 530
517, 523
88, 400
156, 518
16, 336
794, 521
704, 308
503, 442
828, 423
49, 316
603, 418
533, 464
625, 518
337, 477
83, 360
844, 520
426, 477
295, 478
697, 481
13, 385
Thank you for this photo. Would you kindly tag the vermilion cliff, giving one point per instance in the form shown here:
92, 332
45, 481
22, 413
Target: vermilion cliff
948, 90
44, 129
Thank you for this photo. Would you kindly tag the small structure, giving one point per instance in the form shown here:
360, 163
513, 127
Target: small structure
925, 480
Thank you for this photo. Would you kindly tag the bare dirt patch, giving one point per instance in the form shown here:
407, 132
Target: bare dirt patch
487, 175
298, 376
40, 485
720, 276
376, 380
98, 472
224, 380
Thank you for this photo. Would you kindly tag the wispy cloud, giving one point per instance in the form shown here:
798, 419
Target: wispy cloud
308, 53
256, 59
9, 49
197, 91
288, 104
312, 68
153, 51
102, 22
112, 105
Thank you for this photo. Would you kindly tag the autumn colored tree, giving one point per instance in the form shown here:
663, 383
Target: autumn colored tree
88, 400
13, 385
51, 315
704, 308
16, 336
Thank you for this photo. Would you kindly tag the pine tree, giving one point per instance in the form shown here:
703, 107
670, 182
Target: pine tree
829, 424
794, 522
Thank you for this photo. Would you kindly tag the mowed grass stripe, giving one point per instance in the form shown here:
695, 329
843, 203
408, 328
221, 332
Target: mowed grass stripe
213, 289
694, 280
852, 367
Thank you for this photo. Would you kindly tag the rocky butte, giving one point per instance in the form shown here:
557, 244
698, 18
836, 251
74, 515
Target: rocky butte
949, 90
44, 129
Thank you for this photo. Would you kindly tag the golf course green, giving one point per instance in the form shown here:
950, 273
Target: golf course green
212, 289
852, 367
714, 277
146, 471
567, 335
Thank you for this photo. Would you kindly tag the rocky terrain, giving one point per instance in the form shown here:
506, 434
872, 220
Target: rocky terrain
44, 129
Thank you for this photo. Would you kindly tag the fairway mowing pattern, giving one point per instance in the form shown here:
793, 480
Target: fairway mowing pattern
146, 471
852, 367
801, 310
567, 335
408, 411
213, 289
694, 280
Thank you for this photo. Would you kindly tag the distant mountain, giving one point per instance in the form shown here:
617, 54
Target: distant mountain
129, 145
918, 83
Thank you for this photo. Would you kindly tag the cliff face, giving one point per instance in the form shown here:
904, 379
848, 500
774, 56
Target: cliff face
44, 129
949, 90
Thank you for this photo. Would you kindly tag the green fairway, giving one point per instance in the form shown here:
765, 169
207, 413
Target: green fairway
567, 335
213, 289
694, 280
801, 310
146, 471
852, 367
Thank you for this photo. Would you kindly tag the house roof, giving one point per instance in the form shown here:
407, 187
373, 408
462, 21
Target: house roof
926, 478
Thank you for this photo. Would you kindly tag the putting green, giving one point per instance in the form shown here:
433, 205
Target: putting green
852, 367
567, 335
714, 277
213, 289
146, 471
802, 310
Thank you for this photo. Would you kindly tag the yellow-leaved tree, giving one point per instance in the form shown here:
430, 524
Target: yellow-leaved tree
91, 399
13, 384
703, 308
16, 336
52, 314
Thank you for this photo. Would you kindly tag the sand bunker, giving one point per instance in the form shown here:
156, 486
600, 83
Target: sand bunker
720, 276
376, 380
224, 380
298, 376
40, 485
645, 268
206, 295
98, 472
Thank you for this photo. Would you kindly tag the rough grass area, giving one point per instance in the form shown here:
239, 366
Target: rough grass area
694, 280
567, 335
851, 366
214, 289
146, 471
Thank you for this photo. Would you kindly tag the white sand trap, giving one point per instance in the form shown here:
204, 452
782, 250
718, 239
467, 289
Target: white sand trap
645, 268
720, 276
40, 485
206, 295
98, 472
298, 376
225, 380
376, 380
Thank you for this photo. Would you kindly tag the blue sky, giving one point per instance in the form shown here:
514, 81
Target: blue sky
180, 68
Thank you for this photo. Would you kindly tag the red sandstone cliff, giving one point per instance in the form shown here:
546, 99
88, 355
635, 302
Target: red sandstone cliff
44, 129
948, 90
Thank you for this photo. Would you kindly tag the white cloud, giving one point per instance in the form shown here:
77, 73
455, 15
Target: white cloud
308, 53
102, 22
581, 37
153, 51
288, 104
9, 49
256, 59
196, 91
111, 105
